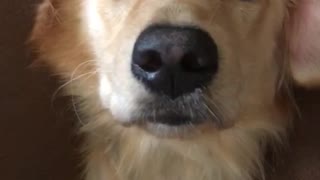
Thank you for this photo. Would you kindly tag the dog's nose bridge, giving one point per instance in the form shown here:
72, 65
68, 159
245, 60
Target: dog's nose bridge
181, 13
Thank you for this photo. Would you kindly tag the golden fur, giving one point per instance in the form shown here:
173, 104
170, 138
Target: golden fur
89, 43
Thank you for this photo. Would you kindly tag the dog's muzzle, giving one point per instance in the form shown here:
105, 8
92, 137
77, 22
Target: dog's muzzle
175, 64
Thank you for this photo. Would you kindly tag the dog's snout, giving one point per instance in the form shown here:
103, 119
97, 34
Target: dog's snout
173, 61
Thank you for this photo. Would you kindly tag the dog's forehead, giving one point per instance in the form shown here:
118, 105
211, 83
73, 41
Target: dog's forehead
212, 2
208, 6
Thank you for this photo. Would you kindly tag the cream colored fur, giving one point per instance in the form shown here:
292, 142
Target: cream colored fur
89, 43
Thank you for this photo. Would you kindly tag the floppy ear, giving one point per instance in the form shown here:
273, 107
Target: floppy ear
303, 32
46, 18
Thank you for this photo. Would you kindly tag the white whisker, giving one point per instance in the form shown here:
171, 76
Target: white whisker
69, 82
216, 112
72, 80
73, 99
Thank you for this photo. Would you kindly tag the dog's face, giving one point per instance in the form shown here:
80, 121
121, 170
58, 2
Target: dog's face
168, 65
212, 72
174, 65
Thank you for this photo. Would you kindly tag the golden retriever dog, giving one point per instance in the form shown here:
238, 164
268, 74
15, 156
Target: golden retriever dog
180, 89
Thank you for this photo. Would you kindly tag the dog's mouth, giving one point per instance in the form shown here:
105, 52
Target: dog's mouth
173, 119
164, 116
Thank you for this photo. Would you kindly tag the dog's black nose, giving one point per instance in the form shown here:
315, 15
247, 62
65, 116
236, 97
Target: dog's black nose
173, 61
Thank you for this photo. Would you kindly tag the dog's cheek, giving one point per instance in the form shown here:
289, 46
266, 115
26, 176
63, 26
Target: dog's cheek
304, 42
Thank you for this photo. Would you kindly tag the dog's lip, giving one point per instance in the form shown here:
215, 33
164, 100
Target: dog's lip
184, 131
171, 128
165, 127
173, 119
166, 131
189, 113
167, 118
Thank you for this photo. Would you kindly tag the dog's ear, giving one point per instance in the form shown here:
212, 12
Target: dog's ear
46, 18
303, 37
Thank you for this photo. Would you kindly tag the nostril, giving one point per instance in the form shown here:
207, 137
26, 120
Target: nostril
172, 61
191, 62
149, 60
